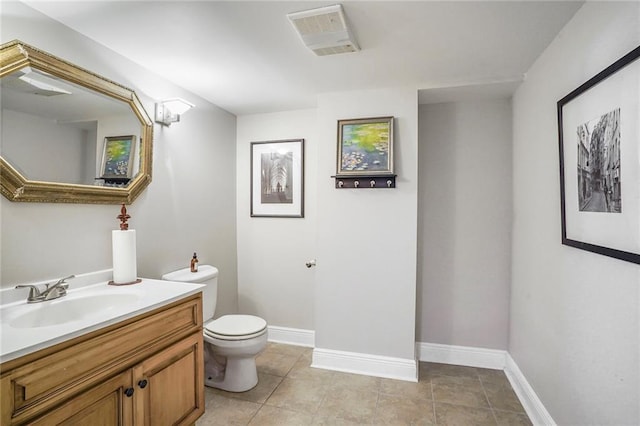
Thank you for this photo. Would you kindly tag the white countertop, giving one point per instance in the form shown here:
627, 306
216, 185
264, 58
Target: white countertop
120, 303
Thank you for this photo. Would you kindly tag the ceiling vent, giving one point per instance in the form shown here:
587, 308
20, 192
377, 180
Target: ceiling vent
324, 30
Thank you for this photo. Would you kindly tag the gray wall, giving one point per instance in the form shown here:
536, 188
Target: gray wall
365, 293
273, 281
364, 240
575, 325
464, 223
189, 206
65, 143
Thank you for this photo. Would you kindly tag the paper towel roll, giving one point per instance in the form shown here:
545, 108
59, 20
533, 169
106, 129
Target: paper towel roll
124, 256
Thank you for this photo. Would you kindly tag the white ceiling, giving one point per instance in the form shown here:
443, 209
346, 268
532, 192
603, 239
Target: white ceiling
245, 56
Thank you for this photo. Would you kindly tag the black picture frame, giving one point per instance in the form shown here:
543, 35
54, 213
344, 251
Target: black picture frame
599, 148
277, 178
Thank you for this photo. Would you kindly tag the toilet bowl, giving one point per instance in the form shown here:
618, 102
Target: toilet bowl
231, 342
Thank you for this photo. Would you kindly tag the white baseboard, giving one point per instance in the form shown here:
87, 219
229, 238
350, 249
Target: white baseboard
370, 365
407, 369
462, 355
536, 411
291, 336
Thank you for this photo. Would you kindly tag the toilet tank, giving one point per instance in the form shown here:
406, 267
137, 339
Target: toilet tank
207, 275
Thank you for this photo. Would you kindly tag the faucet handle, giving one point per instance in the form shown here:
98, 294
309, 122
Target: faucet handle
61, 283
34, 291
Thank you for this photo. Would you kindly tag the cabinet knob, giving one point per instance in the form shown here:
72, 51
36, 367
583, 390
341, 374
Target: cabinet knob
142, 384
128, 392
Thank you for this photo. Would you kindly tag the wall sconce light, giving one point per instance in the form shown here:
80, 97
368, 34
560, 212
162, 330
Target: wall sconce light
169, 111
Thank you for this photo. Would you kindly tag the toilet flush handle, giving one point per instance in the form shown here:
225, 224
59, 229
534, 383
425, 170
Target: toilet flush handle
311, 263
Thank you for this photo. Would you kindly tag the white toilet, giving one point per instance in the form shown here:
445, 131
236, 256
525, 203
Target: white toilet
231, 342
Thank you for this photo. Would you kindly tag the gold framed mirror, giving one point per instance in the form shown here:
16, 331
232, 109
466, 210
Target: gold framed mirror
68, 134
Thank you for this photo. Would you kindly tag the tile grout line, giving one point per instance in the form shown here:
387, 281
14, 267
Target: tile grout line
324, 397
274, 389
484, 391
314, 416
433, 402
375, 410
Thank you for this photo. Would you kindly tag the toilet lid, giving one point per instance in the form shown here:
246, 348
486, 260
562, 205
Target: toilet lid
235, 325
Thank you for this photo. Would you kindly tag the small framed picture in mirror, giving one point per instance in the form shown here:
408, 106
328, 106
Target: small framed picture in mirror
117, 157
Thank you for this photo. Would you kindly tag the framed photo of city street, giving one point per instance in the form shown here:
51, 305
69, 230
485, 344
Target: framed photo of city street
277, 178
599, 141
365, 147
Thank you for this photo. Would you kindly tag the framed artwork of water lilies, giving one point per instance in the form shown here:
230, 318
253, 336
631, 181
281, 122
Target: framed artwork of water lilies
117, 156
599, 140
365, 147
277, 178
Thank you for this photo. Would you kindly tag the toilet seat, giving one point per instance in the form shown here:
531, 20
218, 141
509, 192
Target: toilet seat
235, 327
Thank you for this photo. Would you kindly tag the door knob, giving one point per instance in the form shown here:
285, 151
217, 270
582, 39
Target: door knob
310, 263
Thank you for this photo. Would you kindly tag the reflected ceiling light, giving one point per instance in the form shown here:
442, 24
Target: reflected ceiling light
36, 83
43, 88
169, 110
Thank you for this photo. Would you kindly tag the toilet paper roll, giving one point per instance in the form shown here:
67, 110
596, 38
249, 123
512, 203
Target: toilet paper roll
124, 256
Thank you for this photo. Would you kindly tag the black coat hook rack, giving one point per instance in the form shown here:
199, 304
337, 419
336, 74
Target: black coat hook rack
365, 182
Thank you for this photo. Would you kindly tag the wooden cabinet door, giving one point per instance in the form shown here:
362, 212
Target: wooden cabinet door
169, 386
107, 404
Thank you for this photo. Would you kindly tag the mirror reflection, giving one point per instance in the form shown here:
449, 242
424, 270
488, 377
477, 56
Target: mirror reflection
56, 131
68, 134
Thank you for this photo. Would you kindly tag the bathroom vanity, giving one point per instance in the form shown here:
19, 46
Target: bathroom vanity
140, 365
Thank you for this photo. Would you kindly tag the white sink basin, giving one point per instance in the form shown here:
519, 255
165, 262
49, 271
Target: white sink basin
63, 310
89, 305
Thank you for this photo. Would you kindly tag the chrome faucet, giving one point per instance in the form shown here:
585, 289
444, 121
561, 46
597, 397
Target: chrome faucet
51, 291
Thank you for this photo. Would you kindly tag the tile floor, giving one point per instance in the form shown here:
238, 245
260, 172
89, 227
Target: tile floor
290, 392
